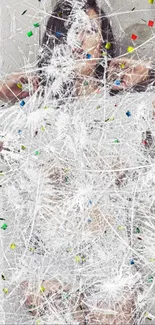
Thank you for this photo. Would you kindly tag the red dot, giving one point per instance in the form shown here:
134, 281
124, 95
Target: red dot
134, 37
150, 23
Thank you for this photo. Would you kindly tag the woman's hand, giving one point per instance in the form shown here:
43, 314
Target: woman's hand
11, 88
128, 72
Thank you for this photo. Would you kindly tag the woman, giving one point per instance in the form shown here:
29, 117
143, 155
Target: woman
92, 33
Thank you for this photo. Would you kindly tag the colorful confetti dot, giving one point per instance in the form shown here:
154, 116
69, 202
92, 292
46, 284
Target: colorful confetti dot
42, 289
122, 65
151, 23
19, 85
5, 290
150, 279
38, 322
23, 147
151, 1
147, 315
37, 153
98, 107
19, 131
42, 128
90, 202
128, 113
4, 227
45, 107
58, 34
116, 141
152, 259
88, 56
13, 246
134, 37
66, 170
132, 262
120, 227
30, 33
36, 25
66, 179
108, 46
137, 230
77, 259
117, 82
130, 49
89, 220
22, 103
104, 54
32, 249
86, 83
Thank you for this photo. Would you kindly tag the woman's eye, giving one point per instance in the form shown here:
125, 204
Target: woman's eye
93, 30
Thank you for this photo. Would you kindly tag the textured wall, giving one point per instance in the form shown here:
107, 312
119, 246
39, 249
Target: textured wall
17, 49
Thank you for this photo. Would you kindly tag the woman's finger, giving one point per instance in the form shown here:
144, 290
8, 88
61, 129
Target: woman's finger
23, 95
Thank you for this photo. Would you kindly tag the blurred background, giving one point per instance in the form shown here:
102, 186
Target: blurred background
17, 49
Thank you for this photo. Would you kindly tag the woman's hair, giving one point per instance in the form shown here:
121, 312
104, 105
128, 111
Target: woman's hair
57, 23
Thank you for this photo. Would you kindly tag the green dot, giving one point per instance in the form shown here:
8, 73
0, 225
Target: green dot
29, 34
37, 153
137, 230
36, 25
150, 279
116, 141
4, 227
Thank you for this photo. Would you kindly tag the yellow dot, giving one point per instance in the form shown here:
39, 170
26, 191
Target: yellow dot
38, 321
130, 49
108, 46
13, 246
42, 289
104, 53
152, 259
32, 249
111, 118
5, 290
42, 128
19, 85
122, 65
120, 227
45, 107
98, 107
77, 258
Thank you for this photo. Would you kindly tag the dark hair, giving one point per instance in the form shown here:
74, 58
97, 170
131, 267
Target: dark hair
63, 9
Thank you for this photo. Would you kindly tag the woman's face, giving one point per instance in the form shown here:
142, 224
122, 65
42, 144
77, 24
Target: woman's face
85, 37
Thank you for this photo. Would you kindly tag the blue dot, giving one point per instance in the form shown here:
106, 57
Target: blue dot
128, 114
117, 82
132, 262
89, 220
58, 34
90, 202
88, 56
19, 131
22, 103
